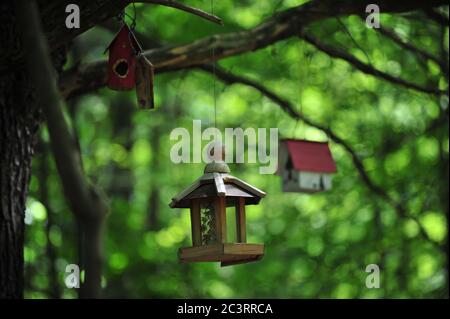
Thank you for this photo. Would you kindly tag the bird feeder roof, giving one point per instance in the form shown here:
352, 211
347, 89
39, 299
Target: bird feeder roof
216, 181
310, 156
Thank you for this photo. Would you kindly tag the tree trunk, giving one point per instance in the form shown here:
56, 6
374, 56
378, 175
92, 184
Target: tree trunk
19, 122
92, 232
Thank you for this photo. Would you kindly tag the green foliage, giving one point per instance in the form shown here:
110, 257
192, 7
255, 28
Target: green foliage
317, 246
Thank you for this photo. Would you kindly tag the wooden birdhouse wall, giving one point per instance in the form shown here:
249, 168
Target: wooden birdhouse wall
314, 181
122, 61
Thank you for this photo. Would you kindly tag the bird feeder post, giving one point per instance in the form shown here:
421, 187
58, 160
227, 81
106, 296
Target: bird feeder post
221, 219
240, 220
196, 223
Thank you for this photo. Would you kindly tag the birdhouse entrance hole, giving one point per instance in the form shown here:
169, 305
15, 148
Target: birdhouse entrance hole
121, 68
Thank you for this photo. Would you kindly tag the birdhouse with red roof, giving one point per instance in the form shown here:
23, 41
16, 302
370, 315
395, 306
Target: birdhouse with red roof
122, 60
305, 166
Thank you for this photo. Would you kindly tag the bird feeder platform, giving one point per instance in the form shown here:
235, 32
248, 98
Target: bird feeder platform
226, 253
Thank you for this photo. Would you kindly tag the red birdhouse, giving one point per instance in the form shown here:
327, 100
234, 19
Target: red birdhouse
122, 60
305, 166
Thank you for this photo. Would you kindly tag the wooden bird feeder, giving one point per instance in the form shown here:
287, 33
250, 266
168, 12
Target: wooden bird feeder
305, 166
122, 60
210, 199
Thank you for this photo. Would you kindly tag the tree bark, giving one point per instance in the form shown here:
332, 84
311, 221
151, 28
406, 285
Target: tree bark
84, 200
19, 122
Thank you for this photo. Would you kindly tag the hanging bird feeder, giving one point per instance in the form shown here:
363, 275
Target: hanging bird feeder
305, 166
210, 199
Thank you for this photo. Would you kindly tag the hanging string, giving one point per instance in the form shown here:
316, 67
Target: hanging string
122, 14
295, 128
137, 49
300, 104
214, 75
133, 19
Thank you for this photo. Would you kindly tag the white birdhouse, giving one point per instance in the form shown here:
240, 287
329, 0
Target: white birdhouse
305, 166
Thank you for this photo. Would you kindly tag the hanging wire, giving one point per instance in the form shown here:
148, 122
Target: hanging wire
300, 104
214, 73
137, 49
133, 20
295, 128
121, 16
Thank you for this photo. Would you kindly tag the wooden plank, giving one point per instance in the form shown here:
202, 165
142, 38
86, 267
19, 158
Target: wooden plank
200, 251
244, 185
241, 232
144, 82
241, 261
221, 220
196, 223
227, 254
220, 186
184, 193
243, 249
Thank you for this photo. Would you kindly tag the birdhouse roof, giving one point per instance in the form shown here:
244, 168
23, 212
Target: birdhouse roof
310, 156
125, 29
213, 184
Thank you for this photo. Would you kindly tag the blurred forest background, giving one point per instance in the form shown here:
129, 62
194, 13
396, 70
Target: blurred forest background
392, 211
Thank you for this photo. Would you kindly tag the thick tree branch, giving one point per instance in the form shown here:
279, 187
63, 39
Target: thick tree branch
281, 26
286, 106
366, 68
83, 199
183, 7
95, 12
92, 13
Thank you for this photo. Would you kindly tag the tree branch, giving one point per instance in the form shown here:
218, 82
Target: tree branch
183, 7
338, 53
286, 106
277, 28
391, 34
92, 13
